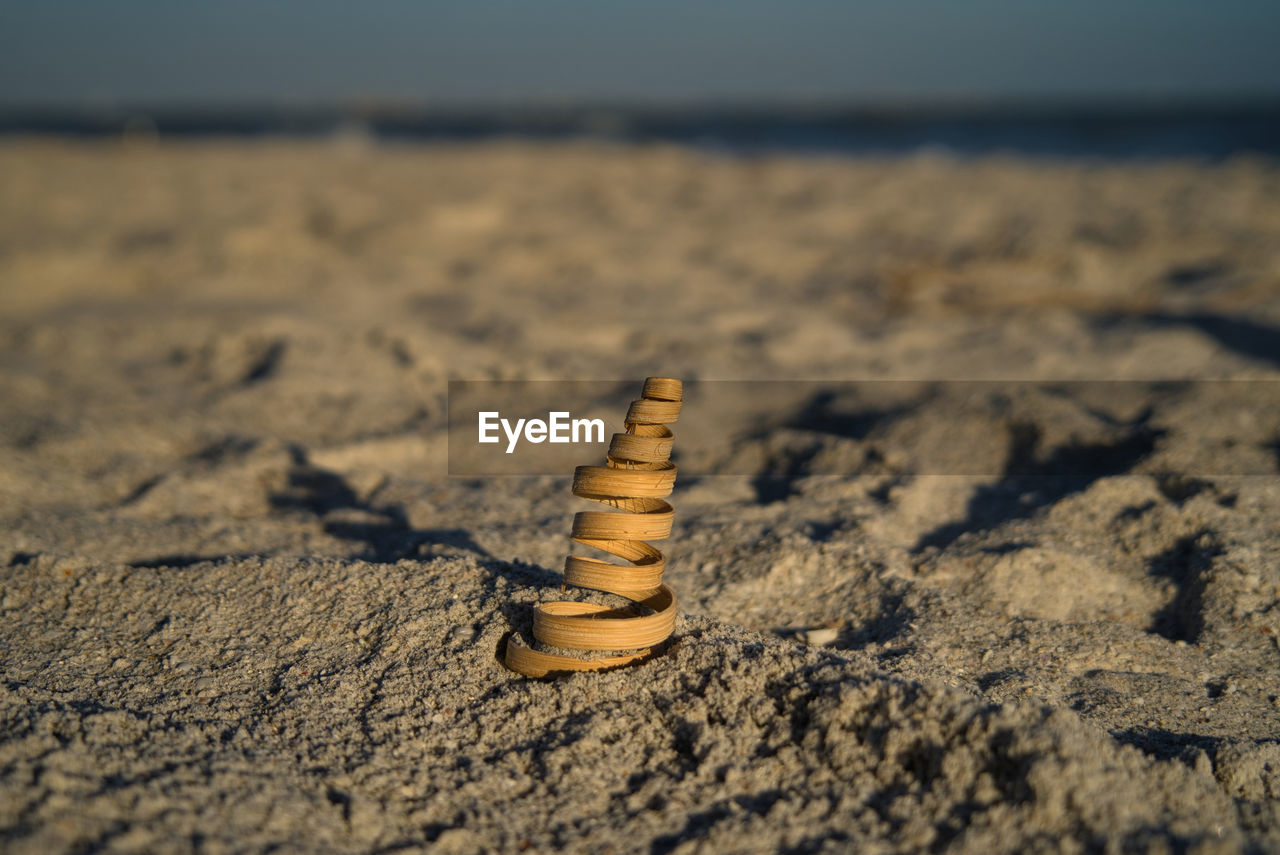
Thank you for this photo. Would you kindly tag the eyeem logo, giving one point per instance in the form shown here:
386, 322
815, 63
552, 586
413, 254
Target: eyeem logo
560, 427
874, 427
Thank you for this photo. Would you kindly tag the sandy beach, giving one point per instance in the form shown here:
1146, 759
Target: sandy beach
246, 609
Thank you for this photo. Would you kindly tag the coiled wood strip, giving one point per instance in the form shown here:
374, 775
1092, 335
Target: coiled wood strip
635, 480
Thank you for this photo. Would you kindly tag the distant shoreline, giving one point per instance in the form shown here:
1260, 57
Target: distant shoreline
1088, 129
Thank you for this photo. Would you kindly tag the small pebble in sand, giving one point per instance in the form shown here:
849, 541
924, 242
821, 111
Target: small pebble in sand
820, 636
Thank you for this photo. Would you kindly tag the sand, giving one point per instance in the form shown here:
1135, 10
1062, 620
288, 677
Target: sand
245, 609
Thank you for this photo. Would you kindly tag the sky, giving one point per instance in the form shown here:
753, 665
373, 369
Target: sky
77, 52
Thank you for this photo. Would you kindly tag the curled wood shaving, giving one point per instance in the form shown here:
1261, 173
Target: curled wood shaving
637, 477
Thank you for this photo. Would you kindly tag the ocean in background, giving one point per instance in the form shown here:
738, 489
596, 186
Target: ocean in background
1203, 131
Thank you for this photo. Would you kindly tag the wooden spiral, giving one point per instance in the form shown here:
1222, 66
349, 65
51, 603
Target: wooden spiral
636, 478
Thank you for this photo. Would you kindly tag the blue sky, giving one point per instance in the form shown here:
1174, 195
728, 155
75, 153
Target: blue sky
91, 51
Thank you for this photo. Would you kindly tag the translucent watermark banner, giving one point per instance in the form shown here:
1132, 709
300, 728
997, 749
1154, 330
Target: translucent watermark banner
787, 429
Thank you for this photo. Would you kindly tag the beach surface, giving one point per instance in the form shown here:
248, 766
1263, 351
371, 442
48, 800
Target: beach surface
246, 609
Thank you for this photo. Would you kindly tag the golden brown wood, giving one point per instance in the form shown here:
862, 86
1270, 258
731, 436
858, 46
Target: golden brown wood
636, 478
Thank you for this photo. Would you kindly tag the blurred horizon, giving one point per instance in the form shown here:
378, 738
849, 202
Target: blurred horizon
1111, 79
1113, 129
